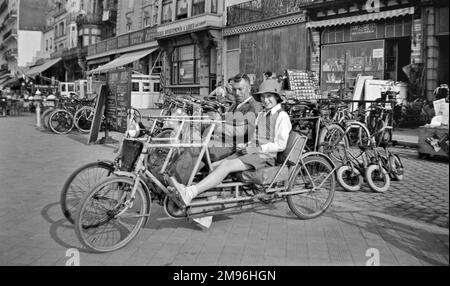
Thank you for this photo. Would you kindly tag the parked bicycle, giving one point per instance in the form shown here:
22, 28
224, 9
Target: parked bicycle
112, 213
87, 176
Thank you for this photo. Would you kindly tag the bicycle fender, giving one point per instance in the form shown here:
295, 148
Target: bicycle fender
144, 186
333, 165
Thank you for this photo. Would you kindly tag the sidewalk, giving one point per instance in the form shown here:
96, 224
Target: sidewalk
406, 137
408, 225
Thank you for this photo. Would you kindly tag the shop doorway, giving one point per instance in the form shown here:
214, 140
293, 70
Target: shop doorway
443, 60
398, 55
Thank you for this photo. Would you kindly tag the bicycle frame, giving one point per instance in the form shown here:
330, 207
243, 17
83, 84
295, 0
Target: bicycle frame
141, 175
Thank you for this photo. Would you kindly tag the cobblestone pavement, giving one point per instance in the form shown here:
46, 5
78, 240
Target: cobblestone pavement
423, 194
35, 164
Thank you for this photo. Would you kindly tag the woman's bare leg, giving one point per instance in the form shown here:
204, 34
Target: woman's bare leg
220, 173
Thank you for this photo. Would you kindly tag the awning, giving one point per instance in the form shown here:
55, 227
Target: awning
41, 68
362, 18
122, 60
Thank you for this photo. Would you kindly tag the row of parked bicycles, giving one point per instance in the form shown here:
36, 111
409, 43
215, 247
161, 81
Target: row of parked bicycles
109, 201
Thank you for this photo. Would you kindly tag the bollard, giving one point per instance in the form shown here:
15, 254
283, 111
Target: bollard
38, 116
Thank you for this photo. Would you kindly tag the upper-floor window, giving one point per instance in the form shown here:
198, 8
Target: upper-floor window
46, 45
129, 24
214, 6
130, 4
198, 7
182, 10
166, 11
147, 18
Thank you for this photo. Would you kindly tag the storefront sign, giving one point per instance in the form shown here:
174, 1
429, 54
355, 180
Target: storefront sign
363, 29
118, 100
137, 38
123, 41
378, 53
416, 42
112, 44
101, 47
150, 34
182, 29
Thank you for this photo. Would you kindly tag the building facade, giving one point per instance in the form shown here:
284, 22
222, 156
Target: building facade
389, 40
190, 34
135, 32
21, 23
265, 35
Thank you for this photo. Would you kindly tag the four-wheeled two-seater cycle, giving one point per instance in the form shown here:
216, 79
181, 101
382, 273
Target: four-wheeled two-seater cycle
109, 214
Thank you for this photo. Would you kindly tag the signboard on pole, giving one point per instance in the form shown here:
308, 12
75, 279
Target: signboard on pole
99, 110
118, 100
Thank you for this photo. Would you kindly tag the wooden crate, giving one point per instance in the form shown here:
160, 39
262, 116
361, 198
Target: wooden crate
424, 147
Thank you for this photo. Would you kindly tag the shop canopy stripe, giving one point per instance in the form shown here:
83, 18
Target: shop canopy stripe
122, 60
41, 68
362, 18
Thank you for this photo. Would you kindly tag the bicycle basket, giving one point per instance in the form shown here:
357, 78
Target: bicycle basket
130, 154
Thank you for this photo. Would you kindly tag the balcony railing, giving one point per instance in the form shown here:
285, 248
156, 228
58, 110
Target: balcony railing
60, 12
257, 10
10, 33
11, 15
3, 6
89, 19
126, 40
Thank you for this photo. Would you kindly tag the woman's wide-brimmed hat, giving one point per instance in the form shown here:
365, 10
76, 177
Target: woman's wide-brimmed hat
269, 86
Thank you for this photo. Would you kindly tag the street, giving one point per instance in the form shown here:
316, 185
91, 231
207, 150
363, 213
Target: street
408, 225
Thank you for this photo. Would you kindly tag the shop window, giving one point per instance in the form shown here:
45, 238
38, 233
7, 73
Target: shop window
342, 63
198, 7
214, 6
166, 11
135, 87
182, 9
185, 65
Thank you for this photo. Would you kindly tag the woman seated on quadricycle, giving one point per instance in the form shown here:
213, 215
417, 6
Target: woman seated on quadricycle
273, 126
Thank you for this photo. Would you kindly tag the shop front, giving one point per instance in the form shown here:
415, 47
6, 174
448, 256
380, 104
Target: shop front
191, 55
377, 45
265, 35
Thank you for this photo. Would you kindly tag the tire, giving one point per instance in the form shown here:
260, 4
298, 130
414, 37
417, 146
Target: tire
44, 117
379, 180
61, 122
301, 180
72, 193
396, 166
332, 137
83, 119
350, 180
121, 189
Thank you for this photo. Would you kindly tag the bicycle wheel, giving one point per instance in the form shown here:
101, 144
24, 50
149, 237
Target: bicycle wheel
349, 178
377, 179
80, 182
44, 117
83, 119
333, 136
103, 222
396, 166
316, 177
61, 122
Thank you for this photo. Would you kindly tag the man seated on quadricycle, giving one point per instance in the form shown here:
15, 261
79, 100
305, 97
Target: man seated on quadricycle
270, 137
238, 127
